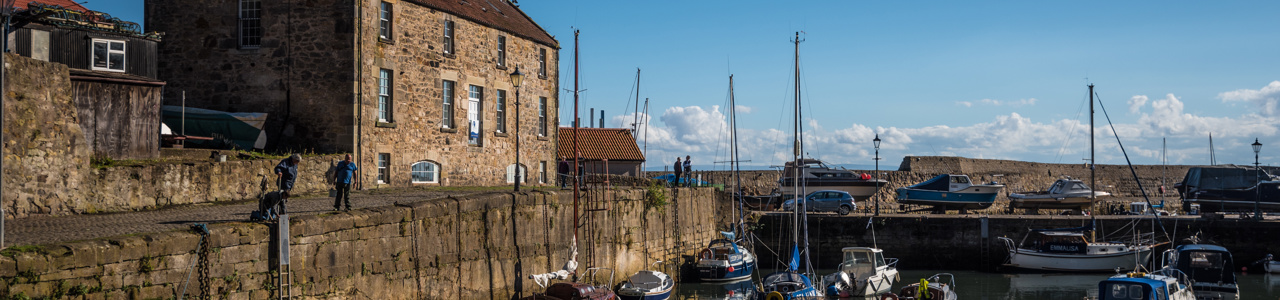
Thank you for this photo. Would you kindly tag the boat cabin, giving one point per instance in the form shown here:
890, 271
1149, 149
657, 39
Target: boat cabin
1206, 263
1138, 286
722, 249
1060, 242
862, 262
945, 182
1069, 186
577, 290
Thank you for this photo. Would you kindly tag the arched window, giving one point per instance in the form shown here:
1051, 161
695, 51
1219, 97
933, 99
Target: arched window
511, 173
425, 172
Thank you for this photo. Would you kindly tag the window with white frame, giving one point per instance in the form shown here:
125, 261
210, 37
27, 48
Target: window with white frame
502, 50
448, 36
108, 55
475, 115
501, 115
384, 168
250, 24
384, 22
542, 172
511, 173
385, 90
446, 106
425, 172
542, 116
542, 63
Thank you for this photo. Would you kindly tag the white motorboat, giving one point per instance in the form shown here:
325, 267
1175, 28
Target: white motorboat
1269, 265
1065, 193
647, 285
1068, 250
816, 175
864, 272
950, 191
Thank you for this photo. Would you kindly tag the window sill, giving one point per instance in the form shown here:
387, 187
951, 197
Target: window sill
386, 41
500, 67
543, 138
385, 124
426, 183
542, 76
500, 134
449, 130
449, 55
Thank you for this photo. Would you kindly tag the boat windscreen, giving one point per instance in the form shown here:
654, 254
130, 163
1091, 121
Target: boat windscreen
1207, 266
939, 183
1123, 290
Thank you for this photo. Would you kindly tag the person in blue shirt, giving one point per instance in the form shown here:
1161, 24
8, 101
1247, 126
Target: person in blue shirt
342, 182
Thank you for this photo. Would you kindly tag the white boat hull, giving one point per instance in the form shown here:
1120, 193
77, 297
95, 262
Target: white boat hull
1034, 260
1272, 267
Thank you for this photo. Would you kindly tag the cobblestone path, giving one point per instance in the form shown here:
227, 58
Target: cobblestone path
46, 230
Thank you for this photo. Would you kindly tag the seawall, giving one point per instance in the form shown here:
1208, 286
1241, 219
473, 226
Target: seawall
482, 246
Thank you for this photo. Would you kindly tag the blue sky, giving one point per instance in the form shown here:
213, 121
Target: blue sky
1001, 79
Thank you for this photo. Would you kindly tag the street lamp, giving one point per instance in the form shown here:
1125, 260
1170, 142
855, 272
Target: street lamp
516, 79
876, 142
1257, 147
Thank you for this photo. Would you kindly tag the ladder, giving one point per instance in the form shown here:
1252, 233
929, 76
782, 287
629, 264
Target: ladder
284, 272
284, 279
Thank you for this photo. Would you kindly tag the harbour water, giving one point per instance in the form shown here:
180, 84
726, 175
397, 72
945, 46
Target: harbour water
992, 286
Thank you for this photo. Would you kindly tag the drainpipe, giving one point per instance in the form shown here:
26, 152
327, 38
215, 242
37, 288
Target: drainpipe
359, 92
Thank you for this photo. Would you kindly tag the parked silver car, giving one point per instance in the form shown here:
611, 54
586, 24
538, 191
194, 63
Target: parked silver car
834, 201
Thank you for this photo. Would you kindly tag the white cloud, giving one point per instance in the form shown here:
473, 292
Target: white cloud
1136, 103
1267, 98
995, 102
964, 103
742, 109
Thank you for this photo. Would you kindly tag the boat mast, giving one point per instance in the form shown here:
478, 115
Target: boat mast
737, 178
1093, 166
635, 121
800, 195
576, 155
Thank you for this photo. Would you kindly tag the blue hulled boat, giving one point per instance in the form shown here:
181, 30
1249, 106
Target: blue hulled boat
949, 191
1164, 284
723, 261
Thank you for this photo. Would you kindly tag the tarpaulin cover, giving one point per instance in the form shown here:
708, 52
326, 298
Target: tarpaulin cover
1223, 178
243, 130
939, 183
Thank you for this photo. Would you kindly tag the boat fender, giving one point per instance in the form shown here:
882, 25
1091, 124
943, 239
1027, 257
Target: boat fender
888, 296
866, 176
706, 254
774, 296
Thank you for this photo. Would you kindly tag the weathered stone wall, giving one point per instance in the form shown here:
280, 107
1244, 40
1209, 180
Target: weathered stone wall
45, 152
484, 246
301, 75
417, 130
931, 242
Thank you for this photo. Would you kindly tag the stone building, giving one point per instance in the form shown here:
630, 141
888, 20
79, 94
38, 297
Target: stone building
112, 69
418, 90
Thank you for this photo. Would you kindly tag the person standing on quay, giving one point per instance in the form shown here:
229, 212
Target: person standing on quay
342, 182
688, 171
286, 174
563, 171
678, 167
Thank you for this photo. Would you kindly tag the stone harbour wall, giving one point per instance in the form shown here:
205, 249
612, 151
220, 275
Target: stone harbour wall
45, 152
482, 246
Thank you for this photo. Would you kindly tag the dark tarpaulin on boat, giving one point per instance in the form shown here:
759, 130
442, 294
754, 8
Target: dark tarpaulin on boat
1221, 178
939, 183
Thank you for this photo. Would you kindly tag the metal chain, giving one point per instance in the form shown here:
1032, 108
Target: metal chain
203, 270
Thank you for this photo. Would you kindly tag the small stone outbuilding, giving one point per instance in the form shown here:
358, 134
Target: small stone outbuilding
604, 150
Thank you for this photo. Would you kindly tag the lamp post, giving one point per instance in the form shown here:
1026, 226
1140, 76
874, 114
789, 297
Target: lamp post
516, 79
876, 142
1257, 147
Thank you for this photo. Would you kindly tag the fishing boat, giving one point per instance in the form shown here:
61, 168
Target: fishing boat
1065, 193
791, 283
816, 175
864, 272
933, 288
950, 192
1210, 268
723, 260
1067, 249
647, 285
1164, 284
1228, 188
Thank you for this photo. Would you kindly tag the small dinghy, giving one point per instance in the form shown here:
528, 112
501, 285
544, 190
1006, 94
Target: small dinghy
935, 288
647, 285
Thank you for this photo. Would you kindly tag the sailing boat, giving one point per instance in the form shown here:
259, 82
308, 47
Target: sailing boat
573, 290
1067, 249
790, 283
724, 260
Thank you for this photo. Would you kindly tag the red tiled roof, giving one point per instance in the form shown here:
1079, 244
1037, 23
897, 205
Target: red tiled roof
600, 143
68, 4
499, 14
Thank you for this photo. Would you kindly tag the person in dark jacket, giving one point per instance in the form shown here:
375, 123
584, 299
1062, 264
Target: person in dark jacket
286, 174
342, 182
678, 167
563, 171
